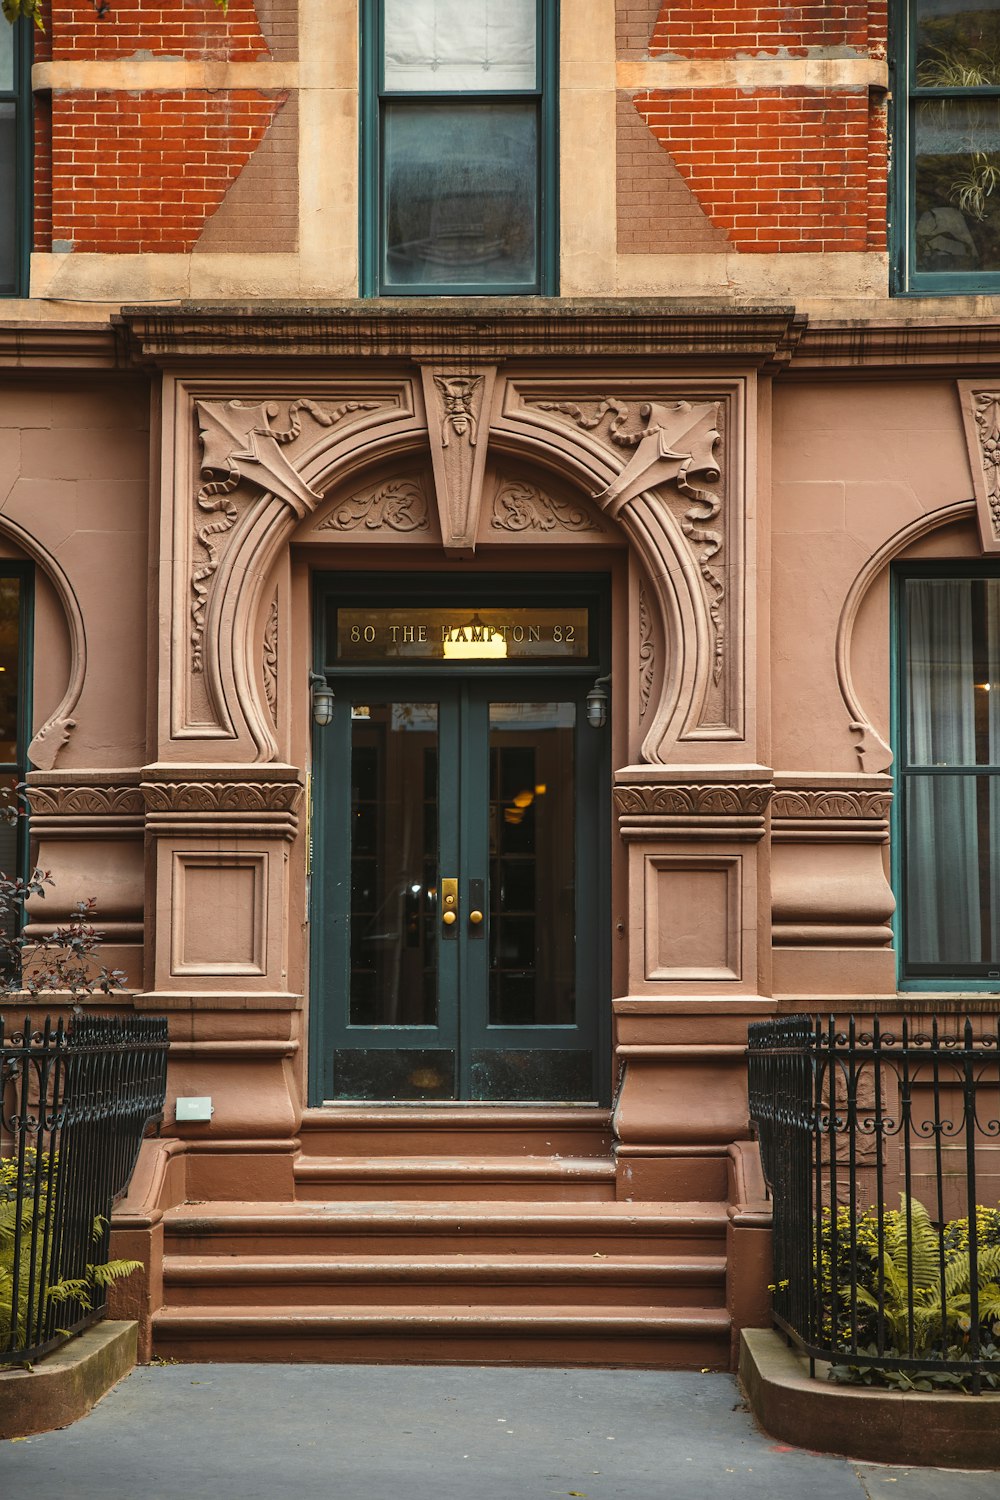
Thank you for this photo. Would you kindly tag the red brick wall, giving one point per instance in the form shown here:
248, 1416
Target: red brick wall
181, 28
138, 172
730, 28
777, 169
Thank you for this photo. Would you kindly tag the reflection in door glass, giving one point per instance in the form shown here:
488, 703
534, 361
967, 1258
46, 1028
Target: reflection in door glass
394, 843
532, 864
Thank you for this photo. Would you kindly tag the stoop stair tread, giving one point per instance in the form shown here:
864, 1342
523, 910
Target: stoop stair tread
461, 1256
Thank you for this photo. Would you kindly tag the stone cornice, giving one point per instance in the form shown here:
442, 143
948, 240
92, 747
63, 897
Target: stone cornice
771, 338
44, 345
464, 328
883, 343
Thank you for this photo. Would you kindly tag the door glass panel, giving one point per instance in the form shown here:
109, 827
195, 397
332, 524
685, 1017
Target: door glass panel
532, 934
394, 852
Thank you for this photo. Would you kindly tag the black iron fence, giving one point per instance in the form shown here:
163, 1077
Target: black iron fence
75, 1101
881, 1149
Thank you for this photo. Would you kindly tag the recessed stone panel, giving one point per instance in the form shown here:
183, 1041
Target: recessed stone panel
219, 914
693, 921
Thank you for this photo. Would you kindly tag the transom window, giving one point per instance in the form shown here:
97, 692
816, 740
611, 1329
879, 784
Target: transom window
458, 180
948, 815
15, 62
947, 205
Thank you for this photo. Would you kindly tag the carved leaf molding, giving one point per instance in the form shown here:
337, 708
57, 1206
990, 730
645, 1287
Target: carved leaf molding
831, 804
718, 799
86, 801
677, 440
400, 505
520, 507
221, 796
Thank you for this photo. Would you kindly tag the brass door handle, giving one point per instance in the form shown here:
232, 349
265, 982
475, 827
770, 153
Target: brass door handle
449, 905
475, 917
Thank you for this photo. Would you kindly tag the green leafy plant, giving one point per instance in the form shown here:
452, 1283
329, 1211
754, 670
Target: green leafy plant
29, 1274
914, 1288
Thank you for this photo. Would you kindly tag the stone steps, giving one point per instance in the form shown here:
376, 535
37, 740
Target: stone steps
522, 1178
650, 1337
445, 1279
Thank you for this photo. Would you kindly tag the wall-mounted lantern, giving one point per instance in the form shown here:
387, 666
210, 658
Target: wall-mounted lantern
597, 703
321, 694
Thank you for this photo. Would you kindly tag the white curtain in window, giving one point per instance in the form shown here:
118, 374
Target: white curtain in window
942, 843
456, 45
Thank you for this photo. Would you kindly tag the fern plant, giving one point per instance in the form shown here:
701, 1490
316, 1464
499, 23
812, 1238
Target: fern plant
920, 1310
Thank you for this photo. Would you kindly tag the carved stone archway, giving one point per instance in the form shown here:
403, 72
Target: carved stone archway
661, 459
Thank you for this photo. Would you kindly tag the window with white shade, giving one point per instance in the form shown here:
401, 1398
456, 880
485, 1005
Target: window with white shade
458, 136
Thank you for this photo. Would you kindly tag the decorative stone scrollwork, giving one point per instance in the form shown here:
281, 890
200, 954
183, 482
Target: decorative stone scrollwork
400, 505
221, 796
647, 662
986, 409
715, 799
677, 440
520, 507
269, 663
239, 442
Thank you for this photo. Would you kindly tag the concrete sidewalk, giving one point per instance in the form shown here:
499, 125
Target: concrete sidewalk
336, 1432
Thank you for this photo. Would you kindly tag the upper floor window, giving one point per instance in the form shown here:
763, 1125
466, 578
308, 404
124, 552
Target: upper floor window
458, 147
15, 63
948, 774
947, 162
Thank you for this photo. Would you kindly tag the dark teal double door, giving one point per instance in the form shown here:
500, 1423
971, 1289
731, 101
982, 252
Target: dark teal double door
460, 889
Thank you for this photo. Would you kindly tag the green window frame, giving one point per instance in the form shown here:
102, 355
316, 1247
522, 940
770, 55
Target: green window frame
931, 90
377, 101
15, 166
946, 808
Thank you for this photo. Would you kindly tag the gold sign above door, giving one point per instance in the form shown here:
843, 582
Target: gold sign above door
420, 634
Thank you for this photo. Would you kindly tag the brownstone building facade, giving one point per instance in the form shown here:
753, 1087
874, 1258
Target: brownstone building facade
500, 516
